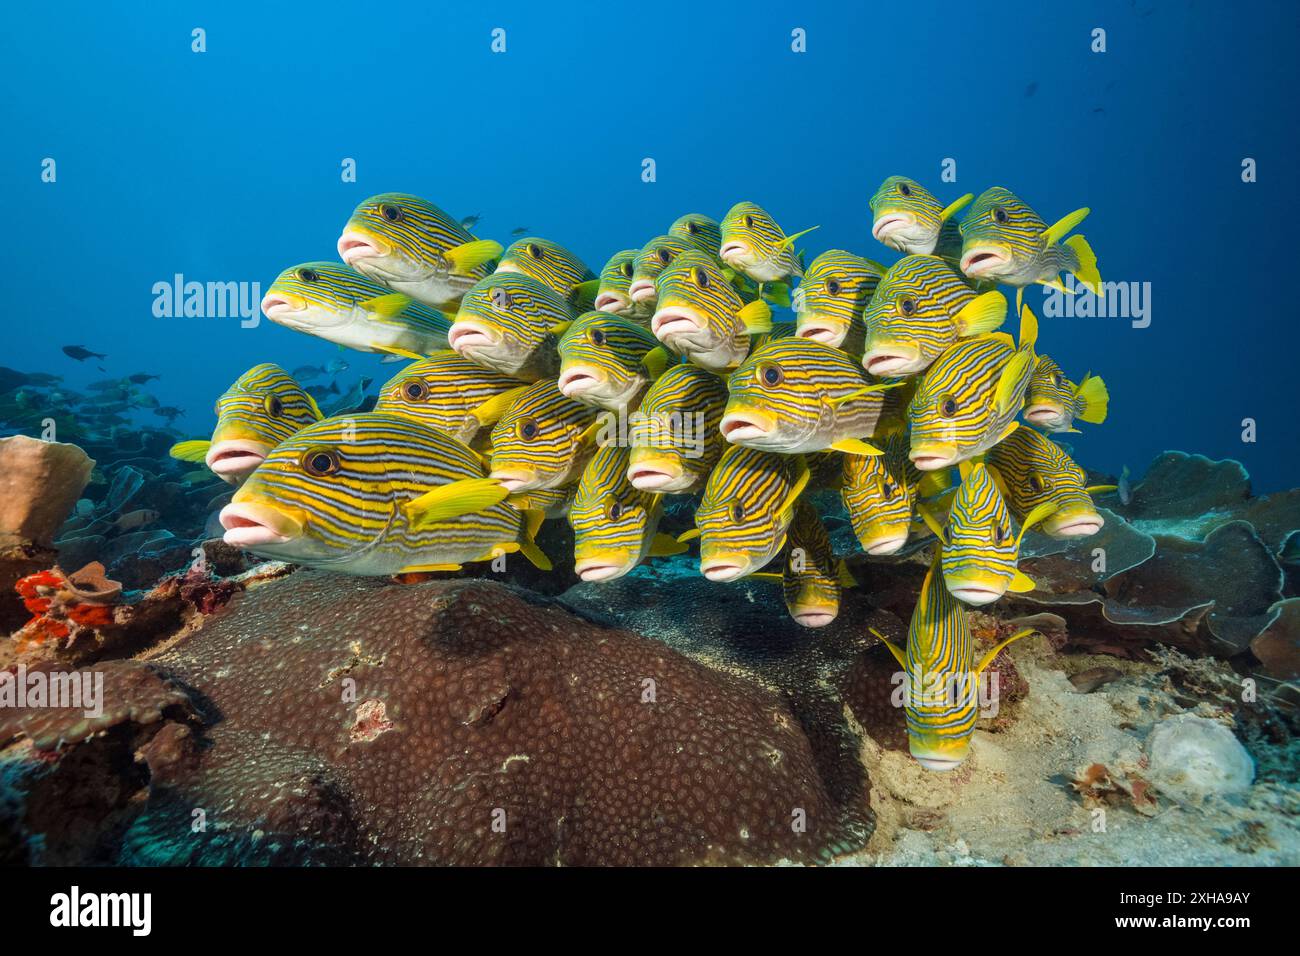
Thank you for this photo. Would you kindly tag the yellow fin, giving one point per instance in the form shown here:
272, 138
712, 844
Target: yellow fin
690, 535
756, 317
1028, 328
778, 293
492, 410
997, 648
559, 328
196, 449
469, 256
1010, 393
656, 361
931, 521
956, 206
964, 468
789, 240
1087, 273
454, 499
893, 648
984, 313
1021, 583
394, 350
856, 446
998, 479
766, 576
663, 546
934, 482
844, 575
1040, 512
417, 568
1057, 231
389, 305
314, 407
1101, 489
584, 294
533, 519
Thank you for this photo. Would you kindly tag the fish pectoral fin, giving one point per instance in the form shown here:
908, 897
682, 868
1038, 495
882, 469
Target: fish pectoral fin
844, 576
1021, 583
656, 361
454, 499
893, 648
664, 546
419, 568
394, 350
195, 450
956, 206
984, 313
1011, 386
389, 305
690, 535
1058, 285
584, 294
1057, 230
1100, 489
789, 240
756, 317
469, 256
492, 410
856, 446
997, 648
559, 328
778, 293
931, 520
1036, 515
766, 576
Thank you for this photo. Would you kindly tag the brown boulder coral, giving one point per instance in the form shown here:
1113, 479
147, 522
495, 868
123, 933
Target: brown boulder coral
464, 722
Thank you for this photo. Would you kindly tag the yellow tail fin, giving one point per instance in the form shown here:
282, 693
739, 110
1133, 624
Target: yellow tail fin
528, 540
1094, 400
1086, 273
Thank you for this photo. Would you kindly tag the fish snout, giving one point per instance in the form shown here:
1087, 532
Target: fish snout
884, 544
612, 302
235, 459
516, 479
466, 335
1073, 524
600, 568
822, 330
933, 456
722, 569
814, 616
892, 360
733, 252
673, 321
983, 260
938, 764
1045, 414
975, 591
250, 524
277, 306
354, 245
579, 380
653, 474
891, 228
745, 425
641, 290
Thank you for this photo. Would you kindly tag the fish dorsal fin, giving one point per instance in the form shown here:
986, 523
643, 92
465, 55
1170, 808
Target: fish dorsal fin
1036, 515
964, 469
584, 293
956, 206
195, 450
452, 500
468, 256
982, 314
893, 648
390, 305
998, 480
559, 328
756, 317
1057, 231
1009, 392
997, 648
492, 410
863, 391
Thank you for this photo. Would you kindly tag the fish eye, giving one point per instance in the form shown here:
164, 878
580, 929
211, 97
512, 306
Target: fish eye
738, 511
833, 286
1000, 534
887, 489
627, 269
749, 222
392, 213
665, 255
597, 337
501, 298
614, 511
905, 189
907, 305
701, 277
949, 407
308, 275
274, 407
320, 462
535, 251
1058, 378
692, 227
1037, 484
999, 214
770, 375
415, 390
528, 429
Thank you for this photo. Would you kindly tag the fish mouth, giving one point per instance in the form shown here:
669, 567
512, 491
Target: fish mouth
983, 260
815, 616
673, 321
236, 458
823, 332
599, 569
641, 290
579, 381
467, 335
885, 544
612, 302
938, 764
892, 360
723, 569
653, 475
975, 593
1079, 525
354, 245
251, 524
733, 251
932, 457
515, 479
1043, 413
888, 227
277, 306
745, 425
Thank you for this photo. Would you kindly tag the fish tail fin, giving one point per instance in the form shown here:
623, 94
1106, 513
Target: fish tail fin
533, 519
1094, 399
1086, 272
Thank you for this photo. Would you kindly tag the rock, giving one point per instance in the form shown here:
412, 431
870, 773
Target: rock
40, 483
1194, 756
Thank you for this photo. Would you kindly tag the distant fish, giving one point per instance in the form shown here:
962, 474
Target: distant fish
169, 412
519, 231
337, 367
305, 373
353, 400
1031, 89
136, 519
469, 222
140, 378
1125, 487
81, 354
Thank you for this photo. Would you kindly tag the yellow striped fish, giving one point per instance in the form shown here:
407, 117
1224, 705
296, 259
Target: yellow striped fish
615, 526
263, 407
834, 293
699, 230
411, 246
655, 256
376, 494
812, 576
675, 436
1053, 402
554, 267
941, 691
906, 216
921, 309
978, 547
608, 362
746, 510
1003, 240
543, 441
879, 493
451, 394
701, 316
551, 502
754, 245
615, 280
338, 304
796, 395
969, 398
1032, 470
511, 323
